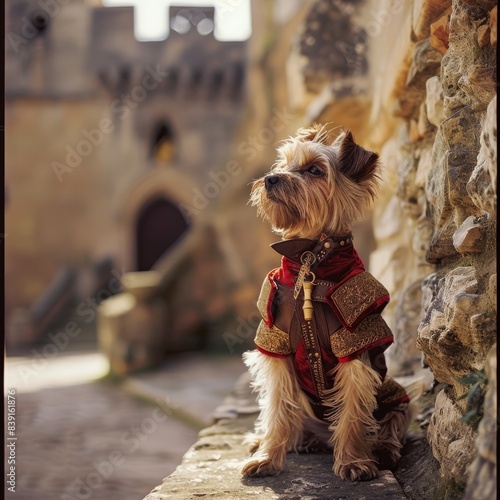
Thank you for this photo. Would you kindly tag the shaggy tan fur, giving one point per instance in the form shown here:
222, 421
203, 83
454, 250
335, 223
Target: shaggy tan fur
319, 187
354, 429
305, 205
283, 408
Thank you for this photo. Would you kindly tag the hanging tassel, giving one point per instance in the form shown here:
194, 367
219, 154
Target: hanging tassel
308, 304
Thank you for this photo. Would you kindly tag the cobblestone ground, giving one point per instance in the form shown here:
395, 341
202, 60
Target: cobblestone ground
93, 441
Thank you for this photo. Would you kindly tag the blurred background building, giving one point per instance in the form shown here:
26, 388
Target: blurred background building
115, 147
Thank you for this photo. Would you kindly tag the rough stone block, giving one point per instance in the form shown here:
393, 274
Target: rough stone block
482, 183
404, 355
441, 243
451, 439
426, 63
434, 100
493, 26
424, 167
444, 334
440, 32
458, 327
485, 4
425, 12
482, 481
460, 75
409, 191
455, 155
468, 238
483, 35
424, 126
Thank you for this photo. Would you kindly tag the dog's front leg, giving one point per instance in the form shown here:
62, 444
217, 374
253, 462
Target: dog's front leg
393, 427
279, 425
354, 429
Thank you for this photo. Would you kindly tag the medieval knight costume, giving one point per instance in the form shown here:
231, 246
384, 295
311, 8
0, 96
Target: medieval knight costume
332, 320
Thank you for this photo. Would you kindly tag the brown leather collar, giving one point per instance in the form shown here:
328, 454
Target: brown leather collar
293, 249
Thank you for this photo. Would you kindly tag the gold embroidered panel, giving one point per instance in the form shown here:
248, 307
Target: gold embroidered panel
356, 295
263, 299
372, 329
273, 340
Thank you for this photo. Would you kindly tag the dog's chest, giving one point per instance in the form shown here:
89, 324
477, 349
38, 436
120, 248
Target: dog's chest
309, 340
340, 326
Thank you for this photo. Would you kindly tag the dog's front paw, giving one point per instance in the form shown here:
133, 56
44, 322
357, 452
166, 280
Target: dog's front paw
357, 472
261, 468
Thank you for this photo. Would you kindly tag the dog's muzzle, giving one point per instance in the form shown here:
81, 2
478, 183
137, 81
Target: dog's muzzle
270, 181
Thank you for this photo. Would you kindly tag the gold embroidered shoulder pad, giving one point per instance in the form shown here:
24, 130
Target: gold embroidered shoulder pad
265, 301
273, 340
357, 297
373, 330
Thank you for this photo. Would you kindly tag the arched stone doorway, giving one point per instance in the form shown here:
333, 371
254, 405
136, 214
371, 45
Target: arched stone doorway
160, 224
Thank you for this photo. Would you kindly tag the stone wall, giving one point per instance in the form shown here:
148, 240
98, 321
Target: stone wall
446, 190
417, 83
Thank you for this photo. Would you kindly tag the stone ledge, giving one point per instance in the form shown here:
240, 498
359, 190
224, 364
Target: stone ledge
211, 469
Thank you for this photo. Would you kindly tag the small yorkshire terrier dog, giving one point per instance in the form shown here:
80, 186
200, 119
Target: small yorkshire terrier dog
319, 366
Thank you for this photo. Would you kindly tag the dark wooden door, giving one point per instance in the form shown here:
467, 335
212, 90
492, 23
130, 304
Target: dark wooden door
159, 226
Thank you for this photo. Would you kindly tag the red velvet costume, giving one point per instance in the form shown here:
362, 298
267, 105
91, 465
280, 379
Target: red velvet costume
347, 305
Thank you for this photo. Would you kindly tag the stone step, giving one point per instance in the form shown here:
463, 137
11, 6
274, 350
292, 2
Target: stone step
211, 467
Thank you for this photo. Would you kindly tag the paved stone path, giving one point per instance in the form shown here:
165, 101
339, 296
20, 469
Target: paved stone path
93, 441
100, 440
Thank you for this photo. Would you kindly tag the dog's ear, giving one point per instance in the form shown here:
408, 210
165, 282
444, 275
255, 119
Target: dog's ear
315, 133
354, 161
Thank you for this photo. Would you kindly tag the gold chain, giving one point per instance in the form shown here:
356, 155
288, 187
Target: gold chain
307, 259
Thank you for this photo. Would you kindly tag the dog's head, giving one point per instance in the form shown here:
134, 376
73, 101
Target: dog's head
317, 186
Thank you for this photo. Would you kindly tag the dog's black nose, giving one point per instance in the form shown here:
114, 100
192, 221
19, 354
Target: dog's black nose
270, 181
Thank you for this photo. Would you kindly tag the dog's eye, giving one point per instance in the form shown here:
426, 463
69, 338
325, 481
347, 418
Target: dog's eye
314, 170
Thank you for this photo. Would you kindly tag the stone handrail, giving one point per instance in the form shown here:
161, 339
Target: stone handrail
133, 325
52, 302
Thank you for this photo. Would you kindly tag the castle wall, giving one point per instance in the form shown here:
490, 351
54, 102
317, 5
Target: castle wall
84, 103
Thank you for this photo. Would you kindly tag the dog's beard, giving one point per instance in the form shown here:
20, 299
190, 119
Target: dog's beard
292, 207
275, 207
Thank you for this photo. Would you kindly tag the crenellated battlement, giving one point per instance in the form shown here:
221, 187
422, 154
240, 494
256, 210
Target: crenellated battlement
76, 50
